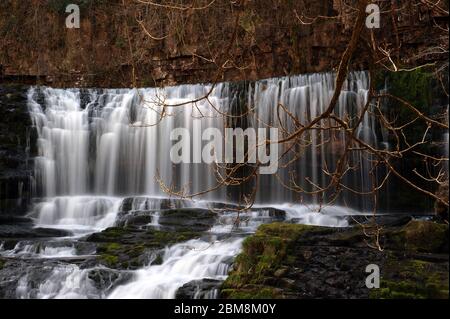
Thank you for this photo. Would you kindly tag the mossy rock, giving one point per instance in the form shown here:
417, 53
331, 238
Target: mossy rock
131, 248
420, 236
263, 254
285, 230
110, 260
108, 235
413, 279
284, 260
259, 292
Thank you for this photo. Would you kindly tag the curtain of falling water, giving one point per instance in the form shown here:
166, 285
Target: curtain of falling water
112, 142
117, 143
306, 97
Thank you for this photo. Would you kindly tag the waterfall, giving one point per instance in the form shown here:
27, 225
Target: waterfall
104, 156
115, 142
306, 97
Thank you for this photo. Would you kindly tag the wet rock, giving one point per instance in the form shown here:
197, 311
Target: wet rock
84, 248
281, 272
138, 218
419, 236
194, 219
19, 231
179, 219
131, 248
22, 278
11, 220
107, 279
275, 213
380, 219
148, 203
298, 261
198, 289
15, 165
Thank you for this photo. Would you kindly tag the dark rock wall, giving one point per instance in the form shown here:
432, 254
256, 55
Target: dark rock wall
17, 145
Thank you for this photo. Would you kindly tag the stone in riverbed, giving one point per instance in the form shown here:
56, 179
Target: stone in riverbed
198, 289
148, 203
194, 219
21, 231
11, 220
137, 218
131, 248
107, 279
179, 219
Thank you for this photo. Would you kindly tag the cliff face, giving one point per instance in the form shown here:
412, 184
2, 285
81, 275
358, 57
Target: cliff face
17, 146
160, 46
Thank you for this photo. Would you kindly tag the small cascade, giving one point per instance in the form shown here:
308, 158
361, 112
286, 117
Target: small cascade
182, 263
79, 214
30, 249
63, 282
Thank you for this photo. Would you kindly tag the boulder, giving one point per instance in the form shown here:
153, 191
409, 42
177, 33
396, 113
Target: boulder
199, 289
296, 261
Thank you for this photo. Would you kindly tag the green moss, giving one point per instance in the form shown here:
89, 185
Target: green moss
123, 248
252, 293
274, 247
412, 279
426, 236
284, 230
163, 238
158, 260
109, 234
414, 86
113, 246
110, 260
2, 264
262, 254
410, 290
420, 236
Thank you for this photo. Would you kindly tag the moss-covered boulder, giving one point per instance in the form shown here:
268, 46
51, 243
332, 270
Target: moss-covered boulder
263, 254
418, 236
295, 261
131, 248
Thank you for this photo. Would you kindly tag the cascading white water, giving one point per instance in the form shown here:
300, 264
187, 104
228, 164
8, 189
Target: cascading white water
116, 143
30, 249
182, 263
100, 151
64, 282
306, 97
79, 214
